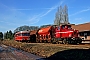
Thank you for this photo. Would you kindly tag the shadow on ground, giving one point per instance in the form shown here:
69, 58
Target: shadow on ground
72, 54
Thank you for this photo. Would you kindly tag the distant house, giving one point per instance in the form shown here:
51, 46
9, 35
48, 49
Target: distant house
84, 30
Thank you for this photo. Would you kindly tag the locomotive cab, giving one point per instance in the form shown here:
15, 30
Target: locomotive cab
66, 27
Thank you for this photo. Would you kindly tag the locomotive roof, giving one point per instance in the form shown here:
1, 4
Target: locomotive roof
82, 27
44, 30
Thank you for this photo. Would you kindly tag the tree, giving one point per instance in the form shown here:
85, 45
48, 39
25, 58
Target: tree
1, 36
21, 28
34, 27
8, 35
65, 13
5, 36
24, 28
45, 26
61, 16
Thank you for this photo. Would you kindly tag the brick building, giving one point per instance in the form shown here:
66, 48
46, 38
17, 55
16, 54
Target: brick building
84, 30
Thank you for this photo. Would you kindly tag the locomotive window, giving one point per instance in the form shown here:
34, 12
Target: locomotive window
59, 28
63, 26
68, 26
25, 34
19, 34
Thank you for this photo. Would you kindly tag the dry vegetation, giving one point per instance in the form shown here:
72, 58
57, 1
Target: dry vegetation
42, 49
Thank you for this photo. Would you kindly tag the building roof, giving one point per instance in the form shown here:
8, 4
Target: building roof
44, 30
82, 27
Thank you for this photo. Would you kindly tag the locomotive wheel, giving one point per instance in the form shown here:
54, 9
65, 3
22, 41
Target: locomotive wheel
40, 41
64, 41
49, 41
44, 41
53, 41
28, 41
57, 42
37, 41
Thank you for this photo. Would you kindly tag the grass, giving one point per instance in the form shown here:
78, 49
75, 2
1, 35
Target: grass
41, 49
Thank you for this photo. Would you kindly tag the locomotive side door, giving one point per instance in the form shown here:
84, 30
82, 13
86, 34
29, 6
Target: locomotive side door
58, 34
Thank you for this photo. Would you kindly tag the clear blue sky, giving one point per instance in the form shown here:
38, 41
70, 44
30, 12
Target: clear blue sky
15, 13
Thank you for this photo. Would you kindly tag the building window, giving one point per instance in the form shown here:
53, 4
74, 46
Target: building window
88, 34
81, 33
85, 35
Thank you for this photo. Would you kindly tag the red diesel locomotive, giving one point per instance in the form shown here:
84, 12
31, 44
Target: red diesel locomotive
65, 34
